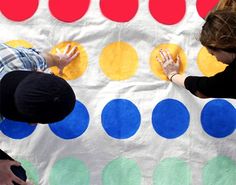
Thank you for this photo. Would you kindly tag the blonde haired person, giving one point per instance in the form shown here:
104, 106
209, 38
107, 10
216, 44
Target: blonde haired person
218, 35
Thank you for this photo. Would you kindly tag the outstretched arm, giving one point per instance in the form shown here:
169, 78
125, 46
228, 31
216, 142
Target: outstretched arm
171, 70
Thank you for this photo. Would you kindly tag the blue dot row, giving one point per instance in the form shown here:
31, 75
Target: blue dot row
121, 119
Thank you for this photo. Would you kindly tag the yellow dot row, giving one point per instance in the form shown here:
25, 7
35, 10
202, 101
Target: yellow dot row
119, 60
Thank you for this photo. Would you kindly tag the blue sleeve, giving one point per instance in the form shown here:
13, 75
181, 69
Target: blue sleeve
31, 59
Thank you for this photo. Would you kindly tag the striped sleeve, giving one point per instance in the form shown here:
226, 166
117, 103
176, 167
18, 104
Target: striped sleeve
31, 59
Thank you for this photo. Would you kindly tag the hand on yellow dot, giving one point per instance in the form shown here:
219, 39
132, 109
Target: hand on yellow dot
174, 50
76, 67
66, 57
169, 66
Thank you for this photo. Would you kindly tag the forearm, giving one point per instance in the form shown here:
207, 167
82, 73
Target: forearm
51, 60
179, 79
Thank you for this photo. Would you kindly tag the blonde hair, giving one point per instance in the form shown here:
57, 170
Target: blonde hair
219, 31
226, 4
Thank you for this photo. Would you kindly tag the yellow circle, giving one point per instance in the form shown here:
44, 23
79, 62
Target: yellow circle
119, 61
19, 43
175, 51
208, 64
77, 67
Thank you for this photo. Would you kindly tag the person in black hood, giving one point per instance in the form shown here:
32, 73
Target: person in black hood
27, 94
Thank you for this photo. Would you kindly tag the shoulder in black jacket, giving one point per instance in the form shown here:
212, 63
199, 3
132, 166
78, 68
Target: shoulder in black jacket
221, 85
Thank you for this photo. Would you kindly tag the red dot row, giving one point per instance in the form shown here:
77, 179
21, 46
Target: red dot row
164, 11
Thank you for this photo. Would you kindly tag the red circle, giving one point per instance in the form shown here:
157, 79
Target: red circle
119, 10
18, 10
68, 10
204, 7
166, 11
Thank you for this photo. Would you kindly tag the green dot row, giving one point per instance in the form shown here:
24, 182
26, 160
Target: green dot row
220, 170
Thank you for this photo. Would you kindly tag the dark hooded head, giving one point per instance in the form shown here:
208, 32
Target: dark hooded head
35, 97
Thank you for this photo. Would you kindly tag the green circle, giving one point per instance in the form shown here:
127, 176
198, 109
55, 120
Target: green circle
172, 171
121, 171
31, 171
220, 170
69, 171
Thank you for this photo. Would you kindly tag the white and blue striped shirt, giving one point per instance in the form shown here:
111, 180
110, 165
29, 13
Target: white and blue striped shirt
20, 58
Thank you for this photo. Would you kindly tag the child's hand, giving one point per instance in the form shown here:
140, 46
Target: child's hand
66, 57
6, 175
169, 66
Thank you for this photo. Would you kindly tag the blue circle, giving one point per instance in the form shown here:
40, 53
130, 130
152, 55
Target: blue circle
16, 129
120, 118
74, 124
170, 118
218, 118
